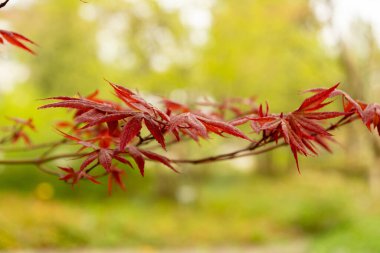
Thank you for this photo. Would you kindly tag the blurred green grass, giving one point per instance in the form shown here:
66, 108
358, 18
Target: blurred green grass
329, 211
267, 49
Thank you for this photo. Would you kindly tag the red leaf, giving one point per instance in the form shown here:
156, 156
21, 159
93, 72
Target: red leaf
130, 131
80, 104
92, 179
77, 140
23, 122
21, 135
348, 102
315, 102
136, 102
371, 116
115, 175
90, 158
113, 127
322, 115
89, 115
158, 158
224, 127
122, 160
174, 106
198, 126
267, 122
154, 129
105, 158
137, 156
15, 39
70, 137
114, 117
310, 126
239, 121
73, 176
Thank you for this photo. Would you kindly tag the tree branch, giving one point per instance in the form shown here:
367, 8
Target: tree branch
32, 147
250, 150
39, 161
4, 3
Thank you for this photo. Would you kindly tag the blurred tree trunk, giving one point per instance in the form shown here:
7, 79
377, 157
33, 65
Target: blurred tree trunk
355, 85
360, 77
354, 77
359, 65
374, 170
266, 166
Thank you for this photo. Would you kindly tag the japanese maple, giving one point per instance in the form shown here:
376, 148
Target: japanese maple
116, 135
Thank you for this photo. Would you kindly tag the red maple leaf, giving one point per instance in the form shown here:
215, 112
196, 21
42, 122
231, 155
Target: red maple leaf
93, 112
19, 132
237, 106
349, 104
81, 104
134, 125
172, 106
371, 116
134, 101
73, 176
139, 156
16, 39
196, 126
300, 129
23, 122
115, 175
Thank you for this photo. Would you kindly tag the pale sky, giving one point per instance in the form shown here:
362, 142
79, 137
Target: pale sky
346, 12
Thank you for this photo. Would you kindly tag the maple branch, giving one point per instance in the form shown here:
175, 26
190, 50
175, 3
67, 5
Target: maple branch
144, 140
4, 3
249, 151
8, 137
117, 132
39, 161
52, 148
92, 167
343, 121
231, 155
32, 147
42, 168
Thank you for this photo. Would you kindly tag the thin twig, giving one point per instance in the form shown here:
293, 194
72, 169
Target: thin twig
32, 147
4, 3
42, 168
52, 148
250, 149
40, 160
232, 155
92, 167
